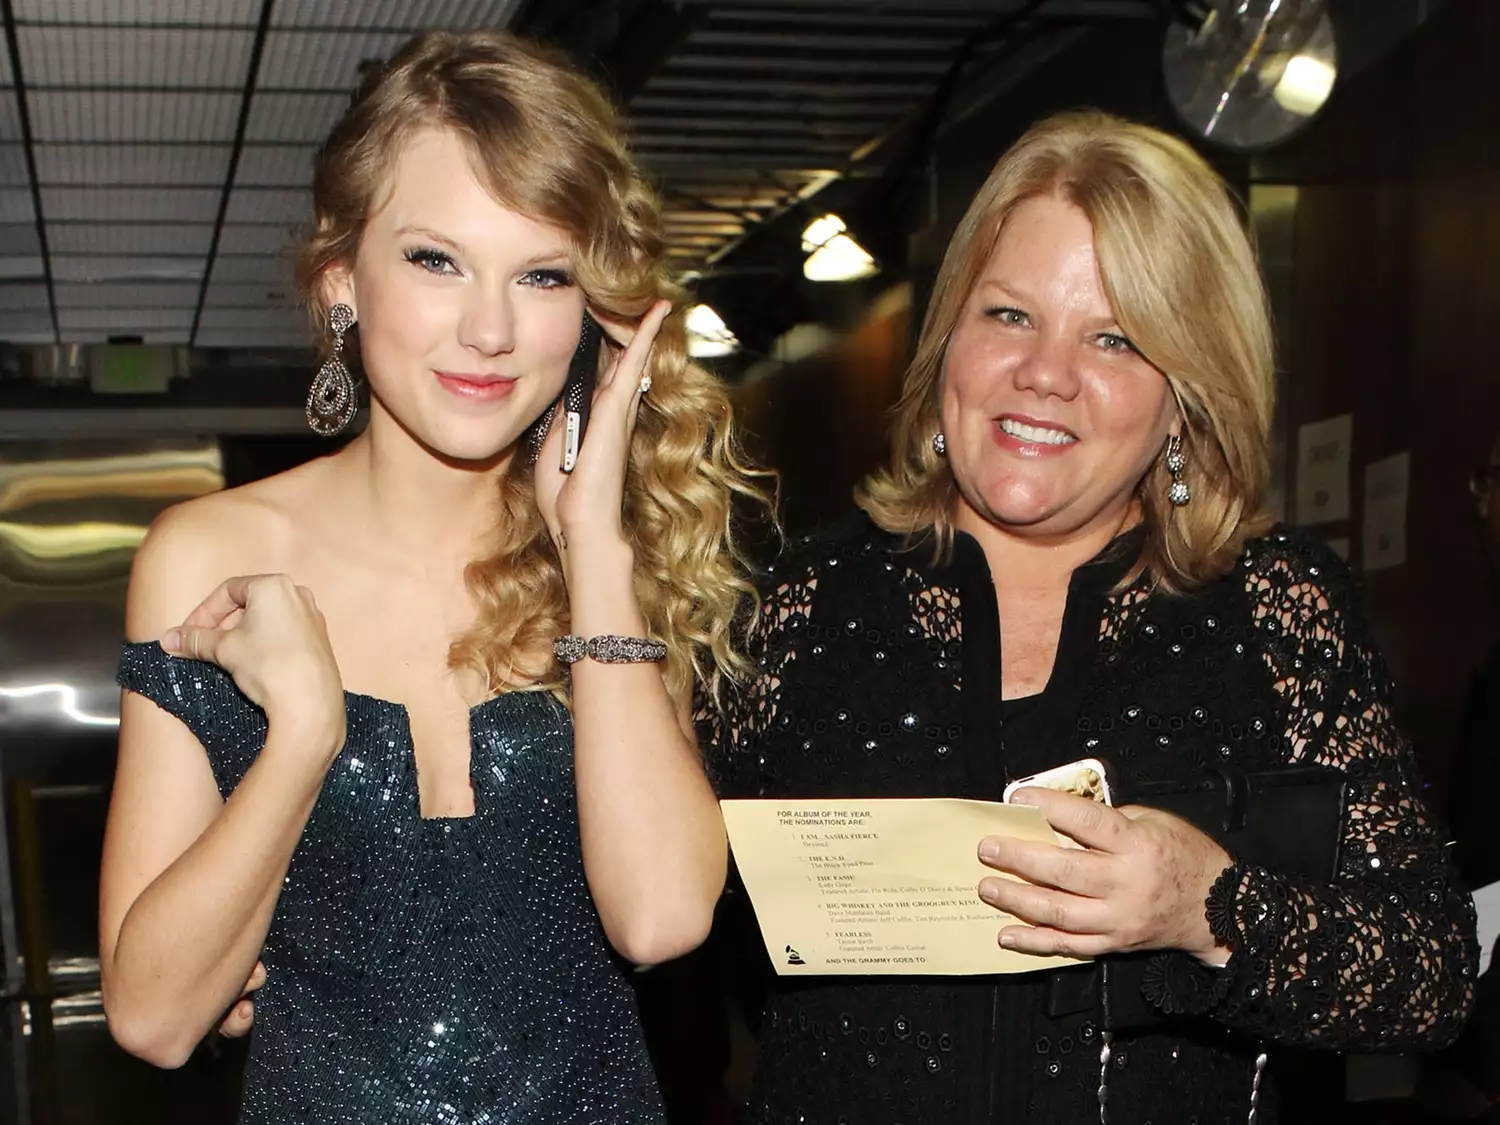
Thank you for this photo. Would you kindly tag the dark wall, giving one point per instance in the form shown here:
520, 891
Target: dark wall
1396, 305
822, 421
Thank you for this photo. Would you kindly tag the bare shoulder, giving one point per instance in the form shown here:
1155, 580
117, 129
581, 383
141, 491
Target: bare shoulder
192, 547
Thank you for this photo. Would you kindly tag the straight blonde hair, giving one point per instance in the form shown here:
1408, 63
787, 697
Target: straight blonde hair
1181, 278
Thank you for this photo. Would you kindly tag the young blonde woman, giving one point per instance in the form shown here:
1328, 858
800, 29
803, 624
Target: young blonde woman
360, 756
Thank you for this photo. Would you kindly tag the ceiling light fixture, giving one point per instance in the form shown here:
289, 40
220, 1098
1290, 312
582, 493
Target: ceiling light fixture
1248, 74
832, 255
708, 335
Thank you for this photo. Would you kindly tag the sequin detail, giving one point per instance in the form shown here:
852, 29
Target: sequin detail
1268, 666
442, 971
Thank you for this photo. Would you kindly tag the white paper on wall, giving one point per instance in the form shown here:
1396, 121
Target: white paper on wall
1387, 489
1323, 469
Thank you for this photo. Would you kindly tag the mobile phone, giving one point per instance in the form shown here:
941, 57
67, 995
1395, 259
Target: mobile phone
578, 391
1087, 777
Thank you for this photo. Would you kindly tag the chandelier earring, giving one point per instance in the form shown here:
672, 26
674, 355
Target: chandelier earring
331, 400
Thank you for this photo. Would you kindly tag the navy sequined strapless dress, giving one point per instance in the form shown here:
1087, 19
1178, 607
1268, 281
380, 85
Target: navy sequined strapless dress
443, 971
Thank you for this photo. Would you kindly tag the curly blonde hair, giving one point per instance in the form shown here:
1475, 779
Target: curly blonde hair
547, 143
1181, 278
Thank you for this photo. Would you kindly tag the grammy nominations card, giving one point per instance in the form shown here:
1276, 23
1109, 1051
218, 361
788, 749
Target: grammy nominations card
872, 887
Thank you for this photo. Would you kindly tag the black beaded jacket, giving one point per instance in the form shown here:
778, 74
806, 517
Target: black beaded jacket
881, 678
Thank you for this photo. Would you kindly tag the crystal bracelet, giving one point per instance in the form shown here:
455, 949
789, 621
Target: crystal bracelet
609, 649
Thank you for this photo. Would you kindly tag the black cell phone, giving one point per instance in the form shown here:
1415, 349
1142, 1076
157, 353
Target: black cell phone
578, 391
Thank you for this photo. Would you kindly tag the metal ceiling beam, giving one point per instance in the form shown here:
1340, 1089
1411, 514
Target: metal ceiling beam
252, 72
776, 85
13, 46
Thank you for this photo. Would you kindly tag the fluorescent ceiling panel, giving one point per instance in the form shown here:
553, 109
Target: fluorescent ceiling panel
154, 204
19, 239
243, 320
244, 338
27, 326
260, 239
304, 118
117, 295
13, 170
128, 238
10, 116
28, 295
275, 270
322, 60
125, 267
283, 206
132, 115
250, 295
393, 14
132, 164
16, 206
21, 266
244, 12
151, 57
275, 166
124, 321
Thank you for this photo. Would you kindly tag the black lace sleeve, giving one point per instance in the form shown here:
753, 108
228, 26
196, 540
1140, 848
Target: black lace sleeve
1385, 957
732, 732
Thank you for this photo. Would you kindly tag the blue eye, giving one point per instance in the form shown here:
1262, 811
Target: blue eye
548, 278
433, 261
1116, 344
1006, 315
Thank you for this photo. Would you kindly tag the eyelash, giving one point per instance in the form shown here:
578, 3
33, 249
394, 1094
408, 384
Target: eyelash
1003, 313
1116, 344
550, 278
433, 261
1111, 342
441, 264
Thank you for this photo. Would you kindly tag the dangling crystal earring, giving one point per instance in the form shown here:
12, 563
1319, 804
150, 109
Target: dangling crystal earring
331, 398
940, 444
1176, 461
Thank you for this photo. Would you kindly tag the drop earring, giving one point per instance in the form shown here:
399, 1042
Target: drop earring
1179, 494
940, 444
331, 400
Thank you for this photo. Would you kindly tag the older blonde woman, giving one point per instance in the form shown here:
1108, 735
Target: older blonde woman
1067, 559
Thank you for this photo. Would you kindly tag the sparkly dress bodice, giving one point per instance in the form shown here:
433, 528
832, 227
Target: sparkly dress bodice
427, 970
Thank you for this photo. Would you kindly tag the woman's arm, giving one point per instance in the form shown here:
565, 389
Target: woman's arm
1381, 958
654, 851
653, 840
189, 882
1385, 957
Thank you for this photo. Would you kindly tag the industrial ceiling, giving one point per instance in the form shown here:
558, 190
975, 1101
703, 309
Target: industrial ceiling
155, 154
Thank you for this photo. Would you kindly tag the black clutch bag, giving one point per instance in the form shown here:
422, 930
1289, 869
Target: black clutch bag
1289, 820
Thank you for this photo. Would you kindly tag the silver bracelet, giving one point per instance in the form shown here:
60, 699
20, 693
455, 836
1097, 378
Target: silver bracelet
609, 649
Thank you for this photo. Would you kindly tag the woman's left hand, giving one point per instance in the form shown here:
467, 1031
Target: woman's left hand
1138, 882
586, 503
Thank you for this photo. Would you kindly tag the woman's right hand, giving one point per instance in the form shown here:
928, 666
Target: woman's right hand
266, 632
